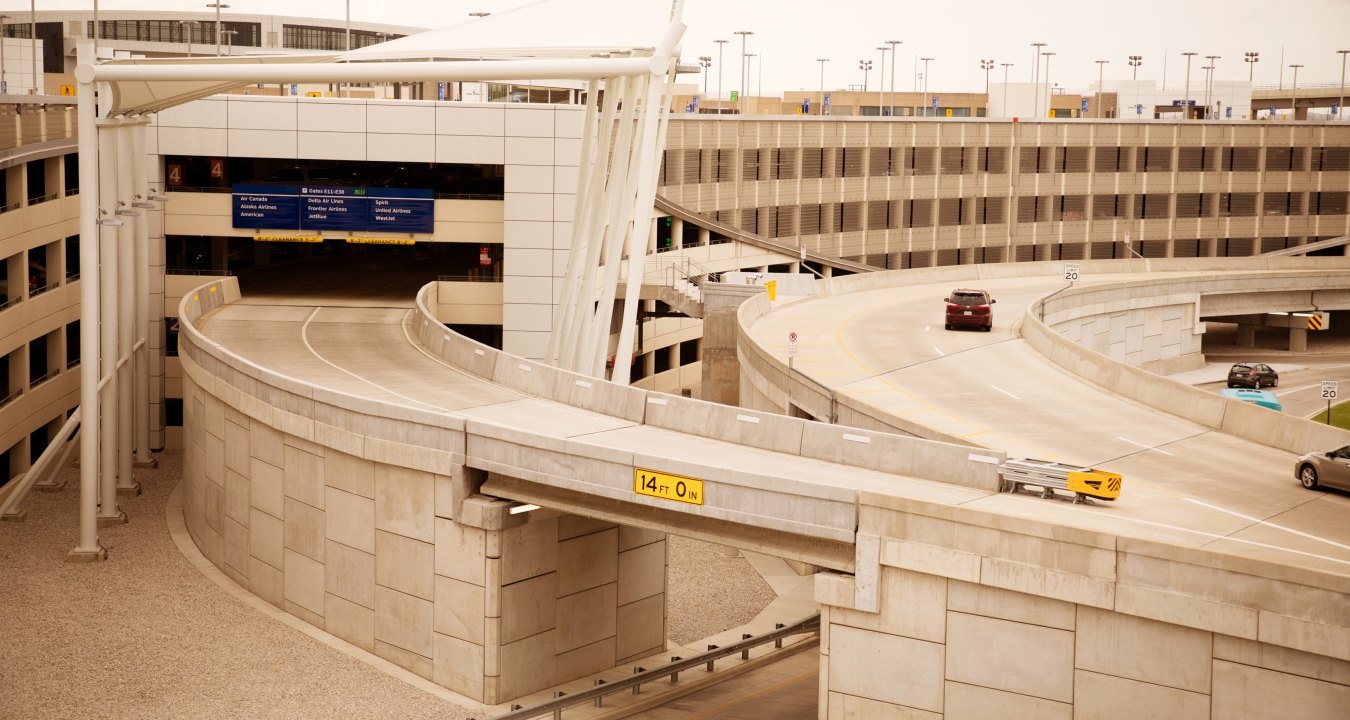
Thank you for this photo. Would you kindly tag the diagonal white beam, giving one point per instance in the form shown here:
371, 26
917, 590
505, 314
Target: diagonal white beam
471, 70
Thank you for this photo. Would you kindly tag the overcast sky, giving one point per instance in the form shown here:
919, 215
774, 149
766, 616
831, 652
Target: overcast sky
790, 34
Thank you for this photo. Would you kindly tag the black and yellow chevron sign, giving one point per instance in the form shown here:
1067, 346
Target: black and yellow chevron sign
1315, 321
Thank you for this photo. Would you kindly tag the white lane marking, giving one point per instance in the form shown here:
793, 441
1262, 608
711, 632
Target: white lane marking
1005, 392
938, 350
1146, 447
1259, 521
1217, 536
926, 328
304, 337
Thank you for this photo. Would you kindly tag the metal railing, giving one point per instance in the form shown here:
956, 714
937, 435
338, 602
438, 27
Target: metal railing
672, 670
190, 271
11, 397
11, 303
44, 378
683, 267
489, 277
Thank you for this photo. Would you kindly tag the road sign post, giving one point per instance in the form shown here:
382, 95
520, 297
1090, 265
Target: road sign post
1330, 389
792, 353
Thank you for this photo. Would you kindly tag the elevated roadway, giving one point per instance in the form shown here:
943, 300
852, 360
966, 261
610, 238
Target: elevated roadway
1191, 484
1212, 540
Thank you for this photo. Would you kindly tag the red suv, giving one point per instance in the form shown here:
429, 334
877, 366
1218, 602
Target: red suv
970, 308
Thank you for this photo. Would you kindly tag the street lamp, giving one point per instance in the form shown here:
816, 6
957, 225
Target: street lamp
1293, 94
864, 65
1050, 100
1251, 58
1101, 66
891, 105
32, 38
191, 29
743, 34
218, 6
1036, 77
881, 86
925, 85
1187, 100
1005, 88
1209, 83
229, 40
720, 45
749, 70
1340, 107
1209, 73
1135, 62
822, 62
986, 66
706, 62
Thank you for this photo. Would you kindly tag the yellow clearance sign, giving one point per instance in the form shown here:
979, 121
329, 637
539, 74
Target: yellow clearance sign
667, 487
1315, 321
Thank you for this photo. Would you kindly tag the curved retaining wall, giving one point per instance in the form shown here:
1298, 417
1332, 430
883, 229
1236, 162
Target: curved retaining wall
768, 375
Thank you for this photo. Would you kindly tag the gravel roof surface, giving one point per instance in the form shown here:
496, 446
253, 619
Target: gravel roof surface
145, 635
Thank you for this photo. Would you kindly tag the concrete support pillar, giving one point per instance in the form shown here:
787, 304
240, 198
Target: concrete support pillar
88, 549
676, 233
705, 237
1246, 335
53, 168
548, 574
106, 267
1298, 339
16, 186
220, 254
721, 379
56, 263
126, 317
140, 298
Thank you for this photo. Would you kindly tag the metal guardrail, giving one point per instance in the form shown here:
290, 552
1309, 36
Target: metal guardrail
677, 665
190, 271
467, 277
11, 397
44, 378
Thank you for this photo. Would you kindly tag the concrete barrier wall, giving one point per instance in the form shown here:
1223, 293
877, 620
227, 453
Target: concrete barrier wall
993, 616
745, 427
1153, 299
1259, 425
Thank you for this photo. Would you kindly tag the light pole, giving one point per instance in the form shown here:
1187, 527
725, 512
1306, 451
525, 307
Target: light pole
32, 37
229, 41
1251, 58
1209, 83
1209, 73
1341, 106
720, 44
218, 6
1187, 100
864, 65
749, 70
706, 62
1293, 94
822, 62
1005, 88
3, 88
1135, 62
881, 86
1049, 101
744, 34
1101, 66
986, 66
1036, 77
925, 86
891, 105
191, 28
349, 25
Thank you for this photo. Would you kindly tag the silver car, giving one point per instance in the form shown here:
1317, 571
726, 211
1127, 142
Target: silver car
1324, 468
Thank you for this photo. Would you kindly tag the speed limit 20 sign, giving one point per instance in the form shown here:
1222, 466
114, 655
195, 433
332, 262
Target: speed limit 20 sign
1329, 389
1071, 272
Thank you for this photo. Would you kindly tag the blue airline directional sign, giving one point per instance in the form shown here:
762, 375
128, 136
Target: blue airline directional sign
331, 207
401, 210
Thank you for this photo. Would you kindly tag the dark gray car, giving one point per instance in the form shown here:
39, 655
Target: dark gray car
1324, 468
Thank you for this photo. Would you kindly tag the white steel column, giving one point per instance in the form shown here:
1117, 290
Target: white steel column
647, 163
88, 549
581, 229
141, 190
106, 349
126, 302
